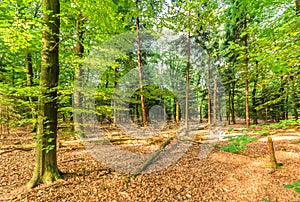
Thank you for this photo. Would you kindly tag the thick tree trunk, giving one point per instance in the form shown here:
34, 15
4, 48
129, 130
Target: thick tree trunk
46, 169
144, 115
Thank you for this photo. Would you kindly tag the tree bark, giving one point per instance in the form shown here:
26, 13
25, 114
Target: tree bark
208, 96
165, 109
229, 105
79, 51
187, 83
115, 103
246, 80
177, 111
201, 109
215, 102
287, 107
46, 169
29, 83
144, 115
232, 104
282, 103
254, 104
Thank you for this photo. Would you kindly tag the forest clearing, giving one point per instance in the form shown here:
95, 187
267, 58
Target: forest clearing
150, 100
221, 176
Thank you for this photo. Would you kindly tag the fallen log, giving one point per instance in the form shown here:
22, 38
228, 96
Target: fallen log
14, 149
152, 157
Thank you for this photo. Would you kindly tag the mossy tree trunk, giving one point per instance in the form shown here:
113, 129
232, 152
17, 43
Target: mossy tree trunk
46, 170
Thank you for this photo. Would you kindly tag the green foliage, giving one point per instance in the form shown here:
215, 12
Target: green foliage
283, 124
48, 148
295, 186
238, 143
230, 130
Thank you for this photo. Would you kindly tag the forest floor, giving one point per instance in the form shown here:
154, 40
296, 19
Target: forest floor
221, 176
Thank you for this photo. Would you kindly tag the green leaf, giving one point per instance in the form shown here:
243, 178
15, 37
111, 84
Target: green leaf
288, 186
297, 189
297, 183
50, 139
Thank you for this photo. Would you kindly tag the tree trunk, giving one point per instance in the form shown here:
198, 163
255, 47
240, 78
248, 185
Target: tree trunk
165, 109
208, 96
46, 169
200, 110
29, 83
232, 104
295, 104
229, 105
281, 114
177, 111
115, 102
254, 104
287, 107
144, 115
246, 80
79, 49
187, 83
215, 102
137, 111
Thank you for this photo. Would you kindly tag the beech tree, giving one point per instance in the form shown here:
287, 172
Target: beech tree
46, 170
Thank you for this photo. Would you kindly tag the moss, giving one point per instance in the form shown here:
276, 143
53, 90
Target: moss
51, 174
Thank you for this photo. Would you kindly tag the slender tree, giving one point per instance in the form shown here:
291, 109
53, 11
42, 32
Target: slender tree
246, 76
144, 115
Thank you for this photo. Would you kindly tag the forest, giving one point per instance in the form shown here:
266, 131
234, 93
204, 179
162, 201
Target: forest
149, 100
